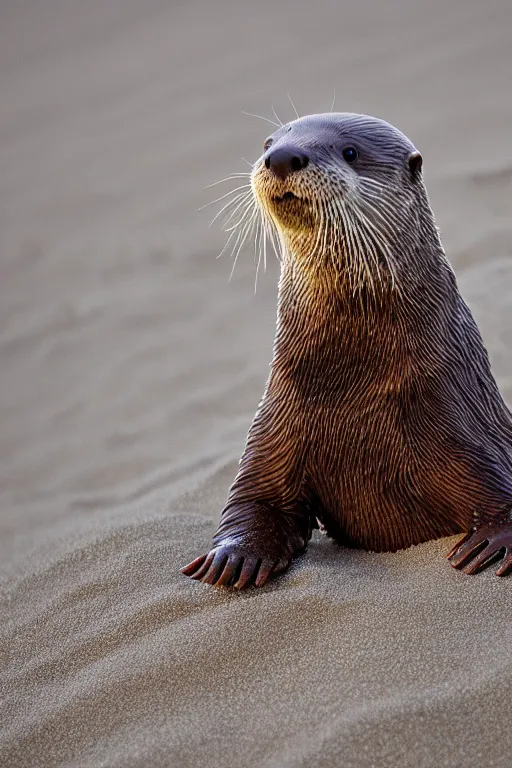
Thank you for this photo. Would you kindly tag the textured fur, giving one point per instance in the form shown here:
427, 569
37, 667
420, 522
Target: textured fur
381, 417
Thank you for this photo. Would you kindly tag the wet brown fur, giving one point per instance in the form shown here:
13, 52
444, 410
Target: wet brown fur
381, 417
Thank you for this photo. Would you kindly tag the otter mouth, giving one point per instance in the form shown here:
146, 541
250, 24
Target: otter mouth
290, 209
288, 197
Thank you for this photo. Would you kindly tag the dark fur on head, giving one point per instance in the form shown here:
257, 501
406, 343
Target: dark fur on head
357, 218
381, 417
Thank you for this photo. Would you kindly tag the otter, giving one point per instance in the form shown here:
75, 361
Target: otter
381, 419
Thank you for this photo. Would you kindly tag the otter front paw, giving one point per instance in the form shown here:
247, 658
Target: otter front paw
483, 546
253, 542
235, 564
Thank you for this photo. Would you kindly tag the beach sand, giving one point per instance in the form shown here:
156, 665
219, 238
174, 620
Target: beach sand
130, 370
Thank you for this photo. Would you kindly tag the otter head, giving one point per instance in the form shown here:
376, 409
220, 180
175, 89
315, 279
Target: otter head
345, 190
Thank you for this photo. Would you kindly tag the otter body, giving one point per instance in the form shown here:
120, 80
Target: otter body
381, 417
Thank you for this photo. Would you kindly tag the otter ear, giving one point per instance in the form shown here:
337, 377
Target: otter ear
415, 161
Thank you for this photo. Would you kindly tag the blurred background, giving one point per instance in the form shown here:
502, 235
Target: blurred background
129, 367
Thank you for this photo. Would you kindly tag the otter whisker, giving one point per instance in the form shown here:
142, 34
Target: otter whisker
236, 256
265, 236
260, 117
363, 248
271, 233
267, 233
377, 194
337, 218
240, 175
340, 240
337, 240
234, 232
353, 249
385, 211
270, 228
242, 236
257, 269
369, 248
226, 244
283, 249
384, 247
384, 239
322, 225
263, 242
333, 100
293, 105
320, 214
367, 181
350, 251
325, 228
246, 204
277, 116
223, 197
331, 240
371, 229
241, 221
237, 201
257, 237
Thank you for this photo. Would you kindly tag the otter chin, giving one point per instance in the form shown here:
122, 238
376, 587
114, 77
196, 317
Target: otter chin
381, 419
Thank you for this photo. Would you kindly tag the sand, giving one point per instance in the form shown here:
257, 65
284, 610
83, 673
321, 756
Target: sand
130, 370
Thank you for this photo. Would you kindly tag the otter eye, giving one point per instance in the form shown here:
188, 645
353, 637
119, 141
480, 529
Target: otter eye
267, 144
349, 154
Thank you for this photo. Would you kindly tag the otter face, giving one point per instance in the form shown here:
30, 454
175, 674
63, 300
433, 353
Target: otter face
346, 180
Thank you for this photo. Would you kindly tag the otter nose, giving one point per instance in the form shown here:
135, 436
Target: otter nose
286, 160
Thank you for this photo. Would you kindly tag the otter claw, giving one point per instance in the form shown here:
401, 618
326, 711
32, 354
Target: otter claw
249, 569
264, 573
467, 551
192, 567
458, 545
204, 568
482, 547
234, 569
230, 571
506, 566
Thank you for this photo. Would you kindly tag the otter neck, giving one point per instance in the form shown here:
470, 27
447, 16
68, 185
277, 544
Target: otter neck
327, 328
